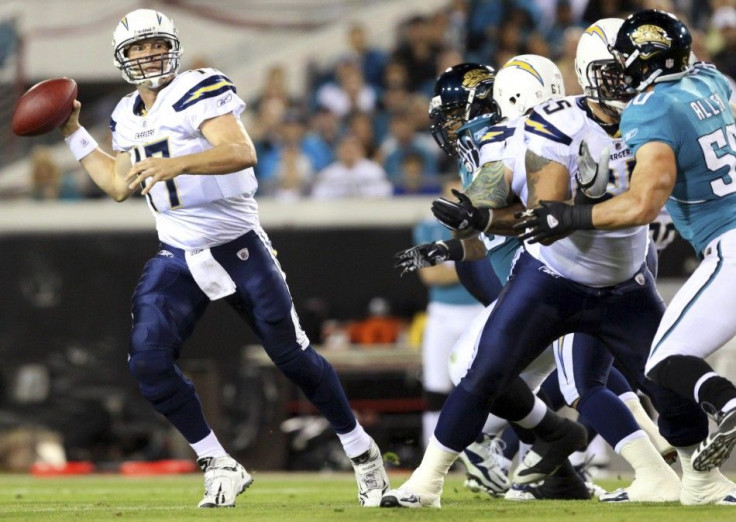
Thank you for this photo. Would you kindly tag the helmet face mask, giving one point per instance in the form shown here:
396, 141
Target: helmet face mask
463, 92
598, 72
146, 25
652, 46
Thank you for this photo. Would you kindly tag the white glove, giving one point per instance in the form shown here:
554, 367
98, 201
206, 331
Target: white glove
592, 175
468, 152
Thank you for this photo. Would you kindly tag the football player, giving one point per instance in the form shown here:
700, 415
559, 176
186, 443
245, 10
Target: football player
556, 127
424, 488
678, 123
179, 137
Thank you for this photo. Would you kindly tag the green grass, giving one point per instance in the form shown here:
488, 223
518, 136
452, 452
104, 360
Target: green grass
296, 496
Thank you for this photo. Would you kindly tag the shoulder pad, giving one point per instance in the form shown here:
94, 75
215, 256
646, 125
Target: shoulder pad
199, 84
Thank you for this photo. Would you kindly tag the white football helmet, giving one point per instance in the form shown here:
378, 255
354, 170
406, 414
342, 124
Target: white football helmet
593, 60
143, 24
525, 81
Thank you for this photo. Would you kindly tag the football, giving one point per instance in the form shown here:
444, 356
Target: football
44, 107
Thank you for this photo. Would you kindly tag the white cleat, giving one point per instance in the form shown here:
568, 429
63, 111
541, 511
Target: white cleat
486, 469
404, 498
224, 479
371, 476
645, 491
707, 488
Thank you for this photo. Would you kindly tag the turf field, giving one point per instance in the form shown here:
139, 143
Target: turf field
292, 497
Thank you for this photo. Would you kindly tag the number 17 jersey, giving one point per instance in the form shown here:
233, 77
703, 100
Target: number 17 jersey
192, 211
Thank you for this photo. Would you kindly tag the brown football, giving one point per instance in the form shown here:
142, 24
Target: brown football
44, 107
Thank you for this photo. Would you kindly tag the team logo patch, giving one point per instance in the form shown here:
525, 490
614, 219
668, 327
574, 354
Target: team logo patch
651, 36
243, 254
640, 279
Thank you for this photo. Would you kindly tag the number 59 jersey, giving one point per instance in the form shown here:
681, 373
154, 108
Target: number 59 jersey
191, 211
554, 130
693, 117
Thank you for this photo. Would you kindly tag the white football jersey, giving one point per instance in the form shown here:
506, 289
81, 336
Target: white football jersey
505, 142
192, 211
554, 130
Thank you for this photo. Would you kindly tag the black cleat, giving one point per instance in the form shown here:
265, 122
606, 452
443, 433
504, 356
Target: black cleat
546, 456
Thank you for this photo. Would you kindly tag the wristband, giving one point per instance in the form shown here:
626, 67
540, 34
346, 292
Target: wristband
455, 249
486, 212
81, 143
581, 217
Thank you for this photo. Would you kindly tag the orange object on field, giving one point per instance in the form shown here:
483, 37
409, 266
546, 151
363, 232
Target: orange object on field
158, 467
70, 468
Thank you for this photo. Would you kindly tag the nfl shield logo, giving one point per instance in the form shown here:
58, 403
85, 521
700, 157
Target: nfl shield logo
243, 254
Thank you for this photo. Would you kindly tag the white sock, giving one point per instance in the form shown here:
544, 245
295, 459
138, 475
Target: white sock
646, 423
429, 477
639, 451
355, 442
535, 416
209, 447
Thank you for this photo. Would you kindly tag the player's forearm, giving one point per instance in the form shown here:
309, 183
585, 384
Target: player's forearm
440, 275
503, 220
107, 173
625, 210
474, 249
224, 158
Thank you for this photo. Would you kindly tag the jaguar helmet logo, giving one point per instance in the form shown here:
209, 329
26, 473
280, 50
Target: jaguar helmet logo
473, 78
651, 37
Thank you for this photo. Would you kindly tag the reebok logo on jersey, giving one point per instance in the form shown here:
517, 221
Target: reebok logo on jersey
243, 254
144, 134
165, 253
630, 134
552, 221
223, 101
640, 279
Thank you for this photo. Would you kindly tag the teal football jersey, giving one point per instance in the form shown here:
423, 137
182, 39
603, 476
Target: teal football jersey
693, 117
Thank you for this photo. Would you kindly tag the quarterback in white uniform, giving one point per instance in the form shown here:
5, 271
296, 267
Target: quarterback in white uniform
179, 138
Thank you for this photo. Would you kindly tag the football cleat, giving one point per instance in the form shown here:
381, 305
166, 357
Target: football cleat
371, 476
717, 447
403, 498
486, 469
224, 479
583, 471
705, 487
667, 489
546, 456
564, 484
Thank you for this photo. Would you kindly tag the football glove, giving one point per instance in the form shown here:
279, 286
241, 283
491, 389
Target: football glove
552, 221
461, 216
468, 153
428, 254
592, 176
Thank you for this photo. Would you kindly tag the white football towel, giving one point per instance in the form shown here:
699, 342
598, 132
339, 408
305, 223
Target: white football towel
209, 275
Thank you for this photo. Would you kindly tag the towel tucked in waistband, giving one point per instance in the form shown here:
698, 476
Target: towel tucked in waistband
209, 275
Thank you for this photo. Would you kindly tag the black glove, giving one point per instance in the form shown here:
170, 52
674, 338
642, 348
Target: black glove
461, 216
553, 220
428, 254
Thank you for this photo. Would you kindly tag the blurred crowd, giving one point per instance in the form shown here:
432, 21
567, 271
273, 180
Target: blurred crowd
360, 128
